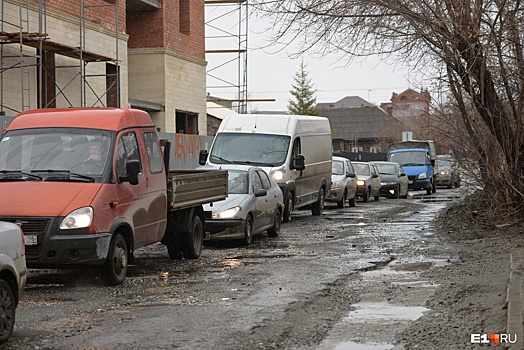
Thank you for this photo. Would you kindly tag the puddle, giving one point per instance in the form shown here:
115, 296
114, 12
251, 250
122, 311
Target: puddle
373, 312
358, 346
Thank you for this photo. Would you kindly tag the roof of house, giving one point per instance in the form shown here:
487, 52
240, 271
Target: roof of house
362, 123
218, 111
346, 102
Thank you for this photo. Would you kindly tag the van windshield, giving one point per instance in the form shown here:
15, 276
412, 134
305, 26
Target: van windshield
54, 154
259, 149
409, 158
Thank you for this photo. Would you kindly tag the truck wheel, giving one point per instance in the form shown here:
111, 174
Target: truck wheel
248, 231
275, 230
192, 243
114, 269
173, 248
317, 208
7, 308
288, 208
342, 202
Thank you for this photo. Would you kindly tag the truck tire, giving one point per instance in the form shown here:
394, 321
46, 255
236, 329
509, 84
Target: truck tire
275, 230
8, 305
173, 249
317, 208
114, 269
192, 242
288, 207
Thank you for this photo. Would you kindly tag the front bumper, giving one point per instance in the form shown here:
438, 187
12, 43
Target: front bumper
388, 190
443, 180
47, 246
224, 229
416, 184
335, 194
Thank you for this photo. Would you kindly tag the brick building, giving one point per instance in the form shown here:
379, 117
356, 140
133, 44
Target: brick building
411, 108
146, 54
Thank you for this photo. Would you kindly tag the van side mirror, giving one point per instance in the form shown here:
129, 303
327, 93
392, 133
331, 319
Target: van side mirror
352, 175
299, 162
133, 172
202, 157
261, 193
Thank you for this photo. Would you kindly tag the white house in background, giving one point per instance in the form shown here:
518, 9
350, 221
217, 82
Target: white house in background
215, 114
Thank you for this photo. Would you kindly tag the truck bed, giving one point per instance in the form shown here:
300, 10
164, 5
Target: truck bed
187, 188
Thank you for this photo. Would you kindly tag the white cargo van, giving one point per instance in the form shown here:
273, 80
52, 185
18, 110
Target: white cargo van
294, 150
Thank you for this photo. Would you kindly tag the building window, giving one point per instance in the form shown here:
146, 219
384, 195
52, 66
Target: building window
184, 16
186, 123
373, 149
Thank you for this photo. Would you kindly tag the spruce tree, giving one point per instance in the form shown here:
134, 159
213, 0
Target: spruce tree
304, 99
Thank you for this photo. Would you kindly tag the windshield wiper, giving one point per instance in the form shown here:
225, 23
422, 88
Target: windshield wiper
222, 159
18, 172
65, 171
253, 163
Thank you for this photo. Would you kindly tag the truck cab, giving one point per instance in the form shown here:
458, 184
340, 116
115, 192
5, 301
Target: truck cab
418, 160
87, 186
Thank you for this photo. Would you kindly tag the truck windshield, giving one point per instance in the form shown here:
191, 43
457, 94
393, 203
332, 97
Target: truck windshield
55, 154
409, 158
258, 149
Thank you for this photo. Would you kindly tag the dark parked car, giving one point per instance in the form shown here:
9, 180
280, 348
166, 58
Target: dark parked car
254, 204
368, 181
343, 182
447, 172
393, 180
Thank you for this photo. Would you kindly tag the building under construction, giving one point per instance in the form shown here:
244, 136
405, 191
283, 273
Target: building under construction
146, 54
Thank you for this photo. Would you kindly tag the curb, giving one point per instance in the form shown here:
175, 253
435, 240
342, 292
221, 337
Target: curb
515, 299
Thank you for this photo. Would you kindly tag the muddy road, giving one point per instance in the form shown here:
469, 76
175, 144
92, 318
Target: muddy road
349, 279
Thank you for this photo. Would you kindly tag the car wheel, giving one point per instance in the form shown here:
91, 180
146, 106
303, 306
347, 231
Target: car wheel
7, 311
317, 208
342, 202
248, 231
352, 201
114, 269
365, 196
288, 207
275, 230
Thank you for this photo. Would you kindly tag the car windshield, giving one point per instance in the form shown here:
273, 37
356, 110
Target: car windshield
237, 182
337, 167
54, 154
259, 149
361, 169
443, 164
386, 169
409, 158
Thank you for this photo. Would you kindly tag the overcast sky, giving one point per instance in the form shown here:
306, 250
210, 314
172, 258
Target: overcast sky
270, 73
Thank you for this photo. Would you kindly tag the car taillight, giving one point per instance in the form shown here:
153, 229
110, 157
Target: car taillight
23, 241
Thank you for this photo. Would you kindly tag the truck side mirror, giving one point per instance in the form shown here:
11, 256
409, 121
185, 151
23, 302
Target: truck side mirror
432, 161
133, 172
202, 157
299, 162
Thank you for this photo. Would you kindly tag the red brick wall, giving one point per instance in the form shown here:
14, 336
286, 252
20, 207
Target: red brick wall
161, 28
104, 15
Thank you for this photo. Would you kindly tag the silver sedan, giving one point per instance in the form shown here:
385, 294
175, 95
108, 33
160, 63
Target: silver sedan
254, 204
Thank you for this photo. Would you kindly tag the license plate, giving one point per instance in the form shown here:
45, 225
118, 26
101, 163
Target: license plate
410, 182
31, 239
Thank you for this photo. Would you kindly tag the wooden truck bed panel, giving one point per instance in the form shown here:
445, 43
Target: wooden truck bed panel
187, 188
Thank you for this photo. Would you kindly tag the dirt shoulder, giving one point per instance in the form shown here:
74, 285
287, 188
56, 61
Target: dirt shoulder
471, 297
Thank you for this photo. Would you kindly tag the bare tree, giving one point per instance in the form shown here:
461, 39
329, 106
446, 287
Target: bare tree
474, 48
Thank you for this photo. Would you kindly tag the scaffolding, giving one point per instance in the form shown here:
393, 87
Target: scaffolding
228, 48
35, 59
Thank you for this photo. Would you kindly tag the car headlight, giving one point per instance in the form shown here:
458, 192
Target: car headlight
227, 214
335, 184
277, 175
388, 183
422, 176
79, 218
361, 182
444, 172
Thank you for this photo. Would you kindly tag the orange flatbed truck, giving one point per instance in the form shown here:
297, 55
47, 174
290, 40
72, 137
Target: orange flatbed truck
89, 186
